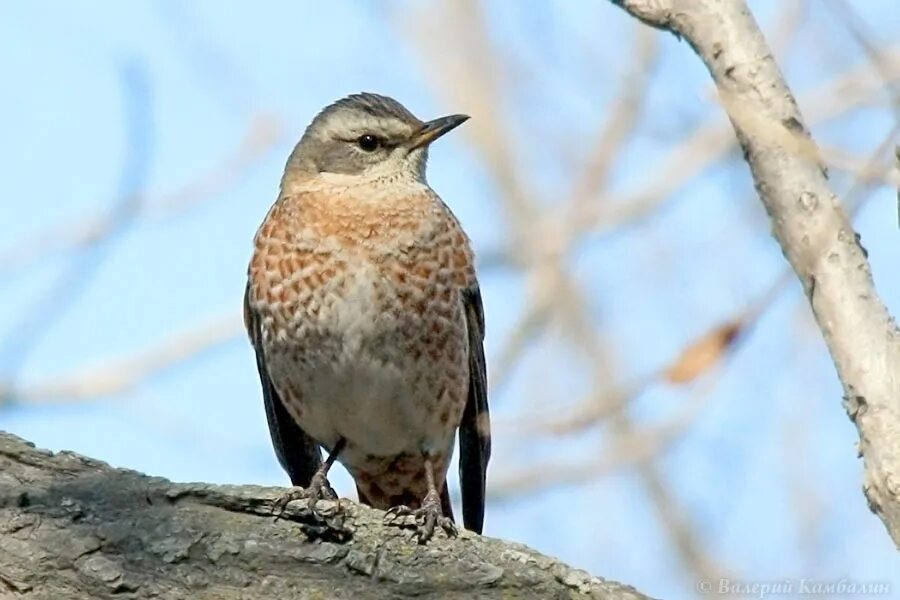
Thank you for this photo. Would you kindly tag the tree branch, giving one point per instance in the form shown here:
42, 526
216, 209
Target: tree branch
72, 527
809, 223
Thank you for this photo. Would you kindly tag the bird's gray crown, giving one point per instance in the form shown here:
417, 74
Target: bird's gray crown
375, 105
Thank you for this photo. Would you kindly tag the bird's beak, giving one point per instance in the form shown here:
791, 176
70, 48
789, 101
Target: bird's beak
432, 130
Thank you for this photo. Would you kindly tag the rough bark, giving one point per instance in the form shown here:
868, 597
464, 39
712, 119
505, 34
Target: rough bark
75, 528
808, 222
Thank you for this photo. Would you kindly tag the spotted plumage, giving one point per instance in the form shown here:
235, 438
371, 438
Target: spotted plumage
363, 307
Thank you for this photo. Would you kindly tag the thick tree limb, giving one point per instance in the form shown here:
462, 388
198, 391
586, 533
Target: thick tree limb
808, 221
75, 528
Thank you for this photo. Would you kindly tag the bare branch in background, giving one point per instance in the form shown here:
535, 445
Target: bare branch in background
139, 143
859, 30
546, 249
538, 247
869, 172
897, 167
702, 354
120, 375
469, 74
264, 133
789, 22
620, 124
710, 144
640, 445
809, 223
856, 87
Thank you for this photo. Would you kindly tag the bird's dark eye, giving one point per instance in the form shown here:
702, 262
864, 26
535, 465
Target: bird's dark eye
368, 142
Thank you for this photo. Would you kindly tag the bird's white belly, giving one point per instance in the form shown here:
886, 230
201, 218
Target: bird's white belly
370, 404
355, 377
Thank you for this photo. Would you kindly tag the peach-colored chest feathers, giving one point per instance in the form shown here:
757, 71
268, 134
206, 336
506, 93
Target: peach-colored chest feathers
363, 327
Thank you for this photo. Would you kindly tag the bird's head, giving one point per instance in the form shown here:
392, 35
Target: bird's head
367, 135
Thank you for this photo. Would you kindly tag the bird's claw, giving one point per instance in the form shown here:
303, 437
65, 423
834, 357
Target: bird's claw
394, 513
318, 489
427, 518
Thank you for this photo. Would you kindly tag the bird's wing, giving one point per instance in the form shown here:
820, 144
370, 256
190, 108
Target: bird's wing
297, 452
475, 428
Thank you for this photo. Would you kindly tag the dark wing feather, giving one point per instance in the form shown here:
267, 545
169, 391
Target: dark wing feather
297, 452
475, 428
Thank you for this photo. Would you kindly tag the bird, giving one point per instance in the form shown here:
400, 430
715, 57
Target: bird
364, 310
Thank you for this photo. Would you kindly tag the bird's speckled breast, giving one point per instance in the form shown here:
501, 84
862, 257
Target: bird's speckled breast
362, 320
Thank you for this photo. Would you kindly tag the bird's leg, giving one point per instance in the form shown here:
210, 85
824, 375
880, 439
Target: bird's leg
318, 488
430, 512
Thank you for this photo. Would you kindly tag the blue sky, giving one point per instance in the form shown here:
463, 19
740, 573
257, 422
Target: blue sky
105, 102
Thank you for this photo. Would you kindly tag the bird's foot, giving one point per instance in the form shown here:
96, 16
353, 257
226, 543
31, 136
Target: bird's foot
427, 517
318, 489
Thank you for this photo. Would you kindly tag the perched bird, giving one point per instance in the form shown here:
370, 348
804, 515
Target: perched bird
364, 310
